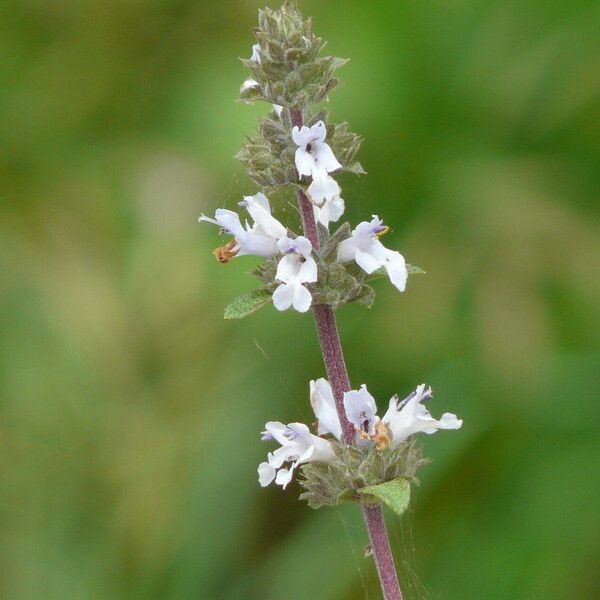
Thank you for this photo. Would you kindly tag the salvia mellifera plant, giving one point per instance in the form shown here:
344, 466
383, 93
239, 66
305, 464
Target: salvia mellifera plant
352, 455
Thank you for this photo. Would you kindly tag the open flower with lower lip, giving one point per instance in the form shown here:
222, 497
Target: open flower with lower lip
401, 420
364, 247
410, 416
297, 446
294, 269
315, 158
330, 211
260, 239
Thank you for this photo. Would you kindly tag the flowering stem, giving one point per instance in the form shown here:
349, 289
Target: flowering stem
337, 374
384, 558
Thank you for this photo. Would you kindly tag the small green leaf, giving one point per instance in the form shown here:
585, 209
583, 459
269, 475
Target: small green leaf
395, 493
247, 303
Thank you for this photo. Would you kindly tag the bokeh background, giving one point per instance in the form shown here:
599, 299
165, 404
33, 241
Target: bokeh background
130, 409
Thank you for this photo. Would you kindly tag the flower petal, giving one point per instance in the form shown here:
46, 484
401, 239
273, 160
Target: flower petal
330, 212
301, 136
410, 417
302, 298
318, 132
303, 246
274, 430
230, 222
266, 474
346, 250
305, 163
361, 409
323, 187
325, 158
283, 296
260, 211
323, 404
288, 268
367, 262
396, 270
308, 271
284, 477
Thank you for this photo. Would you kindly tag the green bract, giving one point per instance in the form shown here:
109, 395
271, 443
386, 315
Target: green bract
362, 473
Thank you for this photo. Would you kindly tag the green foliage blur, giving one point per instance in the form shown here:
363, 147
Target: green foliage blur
130, 410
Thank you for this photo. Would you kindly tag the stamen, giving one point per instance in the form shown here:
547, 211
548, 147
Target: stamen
380, 230
226, 253
382, 437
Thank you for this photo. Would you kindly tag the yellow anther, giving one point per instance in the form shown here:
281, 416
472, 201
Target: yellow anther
225, 253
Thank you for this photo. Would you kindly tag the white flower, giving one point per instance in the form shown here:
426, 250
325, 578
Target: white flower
370, 254
399, 422
410, 416
295, 268
298, 446
361, 411
260, 239
314, 158
330, 211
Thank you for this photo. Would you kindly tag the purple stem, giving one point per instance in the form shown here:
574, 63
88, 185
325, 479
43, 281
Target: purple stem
384, 559
337, 374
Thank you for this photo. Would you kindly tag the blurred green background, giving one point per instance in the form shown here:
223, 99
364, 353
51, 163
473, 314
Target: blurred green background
130, 410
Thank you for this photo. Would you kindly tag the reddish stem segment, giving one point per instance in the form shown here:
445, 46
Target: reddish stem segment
334, 363
337, 374
384, 559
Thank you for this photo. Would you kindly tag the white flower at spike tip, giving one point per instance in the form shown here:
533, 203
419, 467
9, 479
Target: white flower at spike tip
260, 239
330, 211
298, 446
315, 158
295, 268
370, 254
